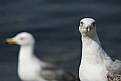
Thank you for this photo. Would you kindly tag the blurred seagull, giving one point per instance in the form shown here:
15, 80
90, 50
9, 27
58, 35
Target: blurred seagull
30, 68
95, 65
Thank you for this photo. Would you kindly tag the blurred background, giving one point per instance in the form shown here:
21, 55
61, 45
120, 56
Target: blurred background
54, 24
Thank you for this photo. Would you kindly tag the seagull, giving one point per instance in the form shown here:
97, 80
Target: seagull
95, 64
30, 68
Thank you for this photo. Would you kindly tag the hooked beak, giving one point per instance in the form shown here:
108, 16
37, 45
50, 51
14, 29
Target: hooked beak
10, 41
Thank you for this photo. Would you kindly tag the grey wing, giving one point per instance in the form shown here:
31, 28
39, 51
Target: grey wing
115, 67
52, 73
112, 66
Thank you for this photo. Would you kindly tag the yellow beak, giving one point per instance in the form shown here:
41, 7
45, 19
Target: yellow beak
10, 41
88, 29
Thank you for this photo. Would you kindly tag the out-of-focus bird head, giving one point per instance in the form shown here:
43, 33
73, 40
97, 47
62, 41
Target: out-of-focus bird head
22, 39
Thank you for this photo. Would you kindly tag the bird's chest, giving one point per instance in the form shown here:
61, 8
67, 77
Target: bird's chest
90, 72
28, 71
92, 54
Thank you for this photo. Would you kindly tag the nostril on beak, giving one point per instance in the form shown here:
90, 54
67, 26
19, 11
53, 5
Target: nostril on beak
89, 29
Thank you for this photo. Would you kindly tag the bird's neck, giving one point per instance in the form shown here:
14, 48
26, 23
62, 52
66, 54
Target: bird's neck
89, 40
91, 49
26, 52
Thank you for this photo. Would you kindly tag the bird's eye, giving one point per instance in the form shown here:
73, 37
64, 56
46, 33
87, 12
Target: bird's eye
81, 23
21, 38
94, 23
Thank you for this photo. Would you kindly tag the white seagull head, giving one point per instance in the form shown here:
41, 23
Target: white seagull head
87, 26
22, 39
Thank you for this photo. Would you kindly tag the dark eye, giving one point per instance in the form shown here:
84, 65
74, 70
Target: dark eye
81, 23
21, 38
94, 23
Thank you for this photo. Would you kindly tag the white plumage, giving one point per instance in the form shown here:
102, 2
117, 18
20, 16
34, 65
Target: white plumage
30, 68
95, 65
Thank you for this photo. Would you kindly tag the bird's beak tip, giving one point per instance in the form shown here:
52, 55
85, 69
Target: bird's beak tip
88, 29
10, 41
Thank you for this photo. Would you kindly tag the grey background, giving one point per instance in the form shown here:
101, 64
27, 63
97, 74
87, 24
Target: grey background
54, 24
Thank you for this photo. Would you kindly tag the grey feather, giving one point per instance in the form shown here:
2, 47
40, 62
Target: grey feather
53, 73
112, 66
115, 67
